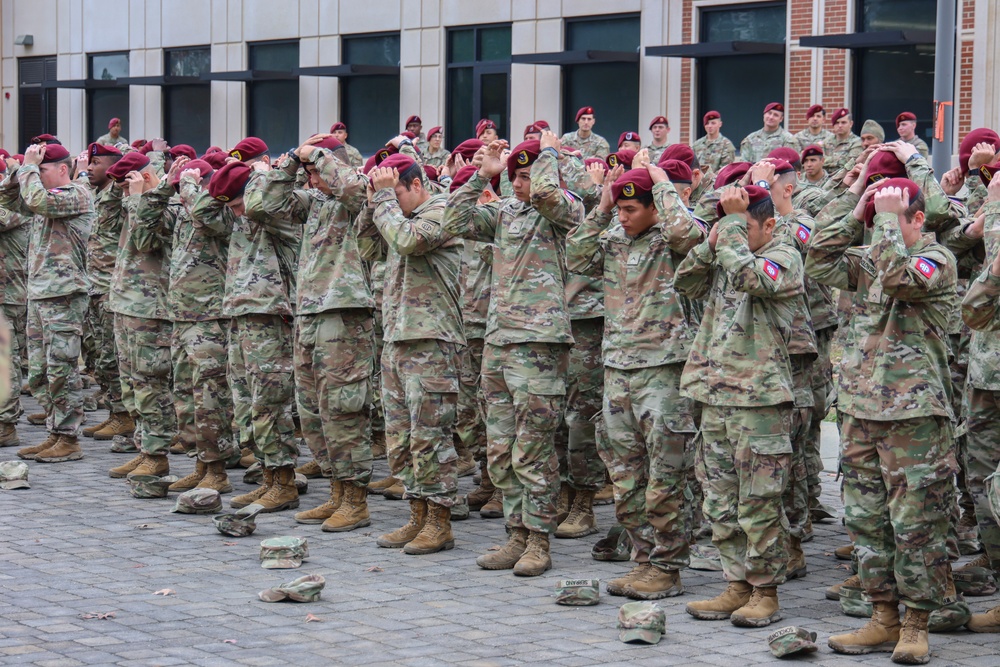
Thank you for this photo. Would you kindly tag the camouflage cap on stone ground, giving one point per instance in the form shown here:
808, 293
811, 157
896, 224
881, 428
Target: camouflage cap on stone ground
14, 475
460, 510
791, 640
149, 486
236, 525
578, 592
705, 557
643, 622
254, 474
950, 616
616, 546
301, 483
974, 581
198, 501
854, 603
123, 444
303, 589
283, 552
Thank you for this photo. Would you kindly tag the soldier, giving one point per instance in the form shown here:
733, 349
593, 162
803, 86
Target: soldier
436, 154
649, 328
528, 335
422, 316
14, 232
629, 141
714, 150
978, 148
699, 181
114, 135
486, 131
812, 166
414, 125
815, 132
845, 146
339, 132
739, 370
61, 213
896, 414
584, 139
906, 127
871, 134
756, 145
659, 126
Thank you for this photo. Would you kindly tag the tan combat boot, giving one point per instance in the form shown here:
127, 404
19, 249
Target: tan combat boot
762, 609
845, 552
122, 471
880, 634
250, 498
8, 436
564, 502
380, 486
153, 464
482, 493
913, 647
188, 482
722, 606
605, 496
435, 535
310, 470
494, 508
394, 492
29, 453
617, 586
655, 584
326, 510
247, 458
91, 430
833, 592
580, 521
509, 554
466, 466
66, 448
120, 423
378, 444
353, 510
535, 560
398, 538
37, 418
283, 494
796, 568
216, 478
986, 622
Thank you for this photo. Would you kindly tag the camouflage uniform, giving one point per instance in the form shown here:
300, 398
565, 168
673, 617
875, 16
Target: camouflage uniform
438, 158
334, 347
593, 146
895, 401
354, 157
756, 145
422, 315
656, 151
713, 154
528, 335
14, 231
60, 223
807, 138
470, 428
921, 146
7, 358
976, 196
841, 153
649, 328
739, 369
376, 279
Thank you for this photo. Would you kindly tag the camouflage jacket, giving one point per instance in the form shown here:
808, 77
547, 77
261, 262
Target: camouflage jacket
477, 278
714, 154
422, 298
436, 159
528, 300
141, 278
656, 151
807, 138
330, 273
756, 145
60, 221
740, 356
198, 254
354, 157
802, 349
5, 361
921, 146
102, 247
707, 185
976, 196
896, 354
981, 311
15, 229
593, 146
646, 322
705, 208
797, 229
263, 253
584, 295
841, 153
573, 170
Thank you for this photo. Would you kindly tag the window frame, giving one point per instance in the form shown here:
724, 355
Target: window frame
479, 68
344, 83
250, 115
169, 87
93, 85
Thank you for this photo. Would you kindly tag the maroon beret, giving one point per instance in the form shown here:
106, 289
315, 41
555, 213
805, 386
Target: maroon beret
329, 143
785, 153
782, 166
133, 161
98, 150
248, 148
46, 138
369, 165
755, 193
216, 159
203, 167
906, 115
623, 157
903, 183
988, 171
468, 148
431, 172
677, 171
544, 124
632, 184
680, 152
384, 152
710, 115
596, 160
399, 162
338, 126
483, 125
183, 149
434, 130
659, 120
4, 154
838, 114
19, 157
775, 106
977, 136
532, 129
413, 119
214, 149
54, 153
462, 177
113, 122
409, 135
229, 182
811, 150
628, 136
139, 143
523, 155
582, 111
884, 164
814, 109
733, 171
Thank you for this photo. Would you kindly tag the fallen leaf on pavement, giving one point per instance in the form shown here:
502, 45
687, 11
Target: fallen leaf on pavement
165, 592
374, 568
310, 618
103, 616
142, 526
229, 544
228, 641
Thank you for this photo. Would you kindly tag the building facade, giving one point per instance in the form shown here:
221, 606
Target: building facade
207, 72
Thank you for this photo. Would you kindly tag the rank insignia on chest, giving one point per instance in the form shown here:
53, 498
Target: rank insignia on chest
634, 258
771, 269
926, 267
803, 233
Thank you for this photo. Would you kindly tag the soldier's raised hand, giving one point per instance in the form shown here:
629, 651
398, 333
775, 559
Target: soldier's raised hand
607, 202
493, 163
549, 140
892, 200
734, 200
993, 189
951, 181
33, 154
383, 177
982, 153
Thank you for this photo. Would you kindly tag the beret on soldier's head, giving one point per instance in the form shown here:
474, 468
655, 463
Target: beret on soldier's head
884, 164
248, 148
434, 130
906, 115
874, 129
54, 153
139, 143
733, 171
785, 153
710, 115
632, 184
754, 193
988, 171
814, 109
678, 171
45, 138
399, 162
4, 154
628, 136
216, 159
413, 119
383, 153
583, 111
338, 126
811, 150
329, 143
100, 150
902, 183
775, 106
483, 125
229, 182
183, 149
462, 177
544, 124
681, 152
468, 148
782, 166
977, 136
113, 122
659, 120
838, 114
409, 135
203, 167
532, 129
369, 165
133, 161
523, 155
623, 157
431, 171
19, 157
596, 160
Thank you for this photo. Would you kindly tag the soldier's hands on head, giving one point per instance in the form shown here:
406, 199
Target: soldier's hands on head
902, 150
396, 140
177, 166
549, 140
504, 154
851, 177
763, 171
493, 163
460, 160
866, 153
982, 153
951, 181
892, 200
34, 154
135, 182
734, 200
607, 204
596, 173
656, 173
160, 144
993, 190
641, 159
859, 208
713, 235
12, 163
261, 166
383, 177
858, 187
193, 173
82, 162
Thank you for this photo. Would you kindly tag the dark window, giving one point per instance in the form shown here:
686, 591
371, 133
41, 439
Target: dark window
36, 103
739, 87
105, 103
273, 105
478, 81
187, 116
588, 84
369, 103
890, 80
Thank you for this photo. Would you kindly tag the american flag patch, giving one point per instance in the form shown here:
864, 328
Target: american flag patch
926, 267
771, 269
803, 233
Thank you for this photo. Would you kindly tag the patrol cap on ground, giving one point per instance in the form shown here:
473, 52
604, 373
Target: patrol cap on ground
884, 164
681, 152
303, 589
775, 106
791, 640
583, 111
523, 155
338, 126
413, 119
183, 149
198, 501
732, 172
229, 181
133, 161
814, 109
632, 184
789, 155
977, 136
642, 622
203, 167
615, 546
906, 115
578, 592
755, 193
659, 120
434, 130
399, 162
14, 475
710, 115
677, 171
149, 486
483, 125
812, 150
102, 150
853, 602
54, 153
874, 129
113, 122
278, 553
248, 148
988, 171
468, 148
628, 136
235, 525
623, 157
974, 580
838, 114
903, 183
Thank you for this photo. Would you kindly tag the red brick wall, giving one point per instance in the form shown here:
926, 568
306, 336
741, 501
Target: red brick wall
687, 74
966, 55
800, 16
835, 74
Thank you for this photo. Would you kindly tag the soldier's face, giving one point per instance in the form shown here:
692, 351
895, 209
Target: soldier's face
410, 199
533, 136
99, 170
488, 135
435, 141
340, 135
816, 120
522, 184
684, 192
713, 126
53, 174
911, 229
772, 119
843, 126
659, 132
635, 217
868, 140
759, 234
586, 122
236, 206
630, 146
906, 129
813, 165
316, 181
414, 128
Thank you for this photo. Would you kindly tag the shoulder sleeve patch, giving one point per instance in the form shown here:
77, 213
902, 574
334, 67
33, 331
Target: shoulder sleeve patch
803, 233
926, 267
772, 270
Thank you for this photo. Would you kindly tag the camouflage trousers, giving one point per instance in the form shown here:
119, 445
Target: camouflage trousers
420, 397
260, 360
99, 350
198, 352
334, 355
822, 389
983, 415
375, 411
646, 447
743, 463
796, 495
10, 409
55, 328
576, 439
17, 318
524, 387
470, 427
899, 494
959, 368
147, 376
